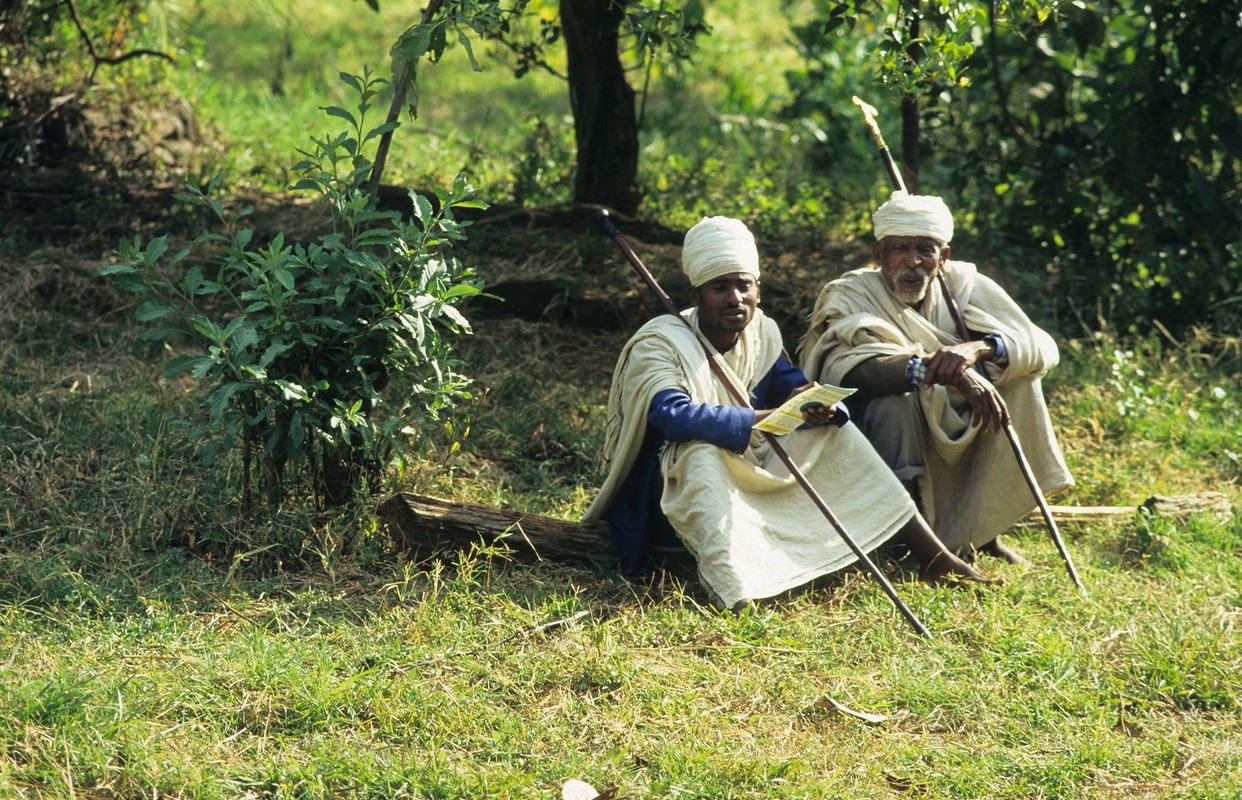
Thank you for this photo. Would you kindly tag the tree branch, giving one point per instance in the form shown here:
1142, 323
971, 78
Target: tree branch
111, 60
401, 85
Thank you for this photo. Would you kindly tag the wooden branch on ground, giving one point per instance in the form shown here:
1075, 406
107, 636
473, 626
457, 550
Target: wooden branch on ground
1215, 505
421, 526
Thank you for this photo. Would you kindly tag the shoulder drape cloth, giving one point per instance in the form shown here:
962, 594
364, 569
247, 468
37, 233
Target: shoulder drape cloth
972, 488
752, 529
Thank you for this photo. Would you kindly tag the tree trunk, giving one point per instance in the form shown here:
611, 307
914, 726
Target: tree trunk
910, 119
605, 121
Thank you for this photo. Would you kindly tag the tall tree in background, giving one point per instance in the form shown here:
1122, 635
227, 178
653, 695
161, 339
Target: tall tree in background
596, 34
605, 40
603, 103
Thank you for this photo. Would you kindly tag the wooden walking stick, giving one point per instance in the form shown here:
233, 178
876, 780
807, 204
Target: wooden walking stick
739, 395
869, 113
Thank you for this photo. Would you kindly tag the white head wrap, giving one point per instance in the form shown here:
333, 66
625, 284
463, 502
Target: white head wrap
914, 215
717, 246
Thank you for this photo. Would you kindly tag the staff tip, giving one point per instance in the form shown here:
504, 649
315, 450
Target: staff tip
867, 109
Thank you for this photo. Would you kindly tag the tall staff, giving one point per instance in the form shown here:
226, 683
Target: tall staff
721, 371
869, 113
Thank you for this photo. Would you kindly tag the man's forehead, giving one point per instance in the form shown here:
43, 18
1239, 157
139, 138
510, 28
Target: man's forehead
915, 241
734, 277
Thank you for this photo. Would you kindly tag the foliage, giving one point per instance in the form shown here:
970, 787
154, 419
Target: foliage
320, 355
1108, 140
52, 58
1098, 139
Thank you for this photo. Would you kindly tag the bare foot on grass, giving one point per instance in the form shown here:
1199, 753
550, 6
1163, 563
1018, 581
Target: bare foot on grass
998, 549
946, 569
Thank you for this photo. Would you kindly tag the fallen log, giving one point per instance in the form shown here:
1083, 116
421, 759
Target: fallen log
420, 525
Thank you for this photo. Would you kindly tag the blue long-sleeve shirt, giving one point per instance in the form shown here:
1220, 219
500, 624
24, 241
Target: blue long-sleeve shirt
635, 520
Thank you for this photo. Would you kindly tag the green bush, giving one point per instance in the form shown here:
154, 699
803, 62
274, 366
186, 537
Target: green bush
321, 355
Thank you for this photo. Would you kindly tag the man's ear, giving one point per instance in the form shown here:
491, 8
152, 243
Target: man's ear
694, 295
877, 252
945, 252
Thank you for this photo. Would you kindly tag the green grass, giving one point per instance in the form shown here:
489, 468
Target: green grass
155, 648
712, 141
442, 682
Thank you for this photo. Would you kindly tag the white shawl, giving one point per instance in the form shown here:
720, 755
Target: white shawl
973, 489
752, 529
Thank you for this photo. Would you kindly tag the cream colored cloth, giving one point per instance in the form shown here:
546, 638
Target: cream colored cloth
717, 246
753, 531
905, 214
971, 486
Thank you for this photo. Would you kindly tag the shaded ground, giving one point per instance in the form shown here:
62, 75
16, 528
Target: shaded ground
550, 264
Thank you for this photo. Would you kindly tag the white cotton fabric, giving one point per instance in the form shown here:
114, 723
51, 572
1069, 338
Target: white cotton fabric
718, 246
971, 486
754, 532
914, 215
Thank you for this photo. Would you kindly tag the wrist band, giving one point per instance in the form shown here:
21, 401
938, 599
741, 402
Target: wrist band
916, 371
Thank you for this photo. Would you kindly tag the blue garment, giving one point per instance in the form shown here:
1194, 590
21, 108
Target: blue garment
634, 518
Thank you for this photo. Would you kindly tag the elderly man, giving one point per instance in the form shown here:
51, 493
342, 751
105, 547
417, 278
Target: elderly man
684, 463
930, 402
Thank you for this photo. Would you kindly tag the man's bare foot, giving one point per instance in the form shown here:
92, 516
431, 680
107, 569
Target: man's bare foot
998, 549
946, 569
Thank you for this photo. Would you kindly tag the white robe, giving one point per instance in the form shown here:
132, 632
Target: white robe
753, 531
970, 483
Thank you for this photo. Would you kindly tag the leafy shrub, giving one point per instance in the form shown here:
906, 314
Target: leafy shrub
321, 355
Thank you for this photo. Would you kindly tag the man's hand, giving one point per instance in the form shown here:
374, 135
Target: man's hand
952, 366
817, 414
988, 411
948, 364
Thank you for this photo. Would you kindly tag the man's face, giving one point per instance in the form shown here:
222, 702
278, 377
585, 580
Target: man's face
726, 306
909, 263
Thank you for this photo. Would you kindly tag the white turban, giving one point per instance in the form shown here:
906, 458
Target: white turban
914, 215
718, 246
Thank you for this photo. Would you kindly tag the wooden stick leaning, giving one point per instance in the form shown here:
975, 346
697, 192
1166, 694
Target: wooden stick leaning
740, 396
869, 112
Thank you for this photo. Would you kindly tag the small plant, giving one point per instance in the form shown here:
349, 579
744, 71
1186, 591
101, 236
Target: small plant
322, 356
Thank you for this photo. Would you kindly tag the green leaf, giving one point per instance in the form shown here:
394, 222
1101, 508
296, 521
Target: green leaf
161, 332
465, 43
130, 282
337, 111
297, 437
152, 310
422, 207
155, 250
462, 290
414, 43
291, 391
219, 401
380, 130
193, 280
457, 317
243, 337
195, 365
